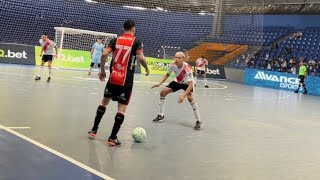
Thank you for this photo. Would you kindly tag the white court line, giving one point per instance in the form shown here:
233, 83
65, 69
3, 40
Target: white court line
229, 99
96, 79
18, 127
93, 93
93, 171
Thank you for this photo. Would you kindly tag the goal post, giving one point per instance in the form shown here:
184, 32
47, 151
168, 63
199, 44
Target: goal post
74, 46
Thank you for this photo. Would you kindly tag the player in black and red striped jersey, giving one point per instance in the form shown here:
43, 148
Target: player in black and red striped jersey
126, 49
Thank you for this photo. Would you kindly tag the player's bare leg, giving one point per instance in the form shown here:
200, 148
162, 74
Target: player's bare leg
163, 95
49, 68
194, 105
118, 120
38, 77
195, 79
205, 81
99, 114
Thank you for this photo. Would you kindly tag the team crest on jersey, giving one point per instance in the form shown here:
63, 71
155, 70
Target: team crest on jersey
119, 67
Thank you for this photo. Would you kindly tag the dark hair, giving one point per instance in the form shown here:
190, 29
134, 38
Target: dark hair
100, 38
46, 34
129, 24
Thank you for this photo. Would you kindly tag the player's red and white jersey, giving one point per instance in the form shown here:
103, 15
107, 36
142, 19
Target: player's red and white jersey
48, 47
183, 75
201, 64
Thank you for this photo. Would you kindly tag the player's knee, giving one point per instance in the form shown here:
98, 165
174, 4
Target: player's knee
164, 92
91, 65
119, 118
105, 102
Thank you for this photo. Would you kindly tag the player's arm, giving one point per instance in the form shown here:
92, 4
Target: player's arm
190, 85
165, 77
143, 61
140, 56
104, 57
188, 90
91, 52
56, 48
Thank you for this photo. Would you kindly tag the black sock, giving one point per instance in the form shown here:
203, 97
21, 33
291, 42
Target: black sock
118, 120
299, 87
100, 112
304, 87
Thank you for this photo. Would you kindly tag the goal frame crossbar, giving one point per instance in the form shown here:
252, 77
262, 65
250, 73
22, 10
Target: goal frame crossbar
66, 30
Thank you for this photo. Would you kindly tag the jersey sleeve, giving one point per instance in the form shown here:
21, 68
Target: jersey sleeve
93, 46
139, 46
112, 44
170, 69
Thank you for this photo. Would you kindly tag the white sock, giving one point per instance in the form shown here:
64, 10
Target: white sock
40, 71
49, 71
195, 110
205, 81
90, 69
161, 106
195, 80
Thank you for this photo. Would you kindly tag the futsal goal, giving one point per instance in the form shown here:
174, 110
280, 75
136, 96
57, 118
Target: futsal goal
75, 46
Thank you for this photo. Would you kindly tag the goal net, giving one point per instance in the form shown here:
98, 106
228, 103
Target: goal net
75, 46
163, 26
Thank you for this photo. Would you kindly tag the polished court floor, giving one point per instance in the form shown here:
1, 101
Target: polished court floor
249, 133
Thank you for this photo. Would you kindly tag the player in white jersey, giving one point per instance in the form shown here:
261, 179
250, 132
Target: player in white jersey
96, 53
201, 64
184, 80
49, 51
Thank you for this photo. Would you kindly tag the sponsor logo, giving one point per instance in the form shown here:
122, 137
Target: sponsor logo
12, 54
70, 58
215, 72
285, 82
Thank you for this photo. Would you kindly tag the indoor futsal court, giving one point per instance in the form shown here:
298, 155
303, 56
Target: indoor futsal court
249, 132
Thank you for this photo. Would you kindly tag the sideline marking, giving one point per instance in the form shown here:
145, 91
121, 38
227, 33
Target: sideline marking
93, 171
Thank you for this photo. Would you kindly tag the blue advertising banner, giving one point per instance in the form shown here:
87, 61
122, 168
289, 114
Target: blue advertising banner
279, 80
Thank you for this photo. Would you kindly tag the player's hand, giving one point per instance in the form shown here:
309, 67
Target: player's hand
56, 56
102, 76
181, 98
156, 85
147, 72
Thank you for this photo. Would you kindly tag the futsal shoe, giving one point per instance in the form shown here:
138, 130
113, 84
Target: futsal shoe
37, 78
206, 86
296, 91
159, 118
113, 142
92, 134
89, 73
49, 79
198, 125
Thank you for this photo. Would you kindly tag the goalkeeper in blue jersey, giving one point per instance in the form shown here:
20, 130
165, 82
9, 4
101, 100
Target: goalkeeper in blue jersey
96, 53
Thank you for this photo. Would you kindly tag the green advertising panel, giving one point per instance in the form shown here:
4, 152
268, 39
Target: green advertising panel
158, 66
76, 59
68, 59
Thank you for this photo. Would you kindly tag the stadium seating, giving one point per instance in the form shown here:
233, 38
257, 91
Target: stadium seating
156, 29
245, 35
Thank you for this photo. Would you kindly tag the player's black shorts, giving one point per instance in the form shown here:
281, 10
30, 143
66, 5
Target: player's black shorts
122, 94
174, 86
200, 72
46, 58
301, 78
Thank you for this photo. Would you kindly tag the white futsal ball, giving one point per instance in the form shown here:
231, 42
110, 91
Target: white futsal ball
139, 134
